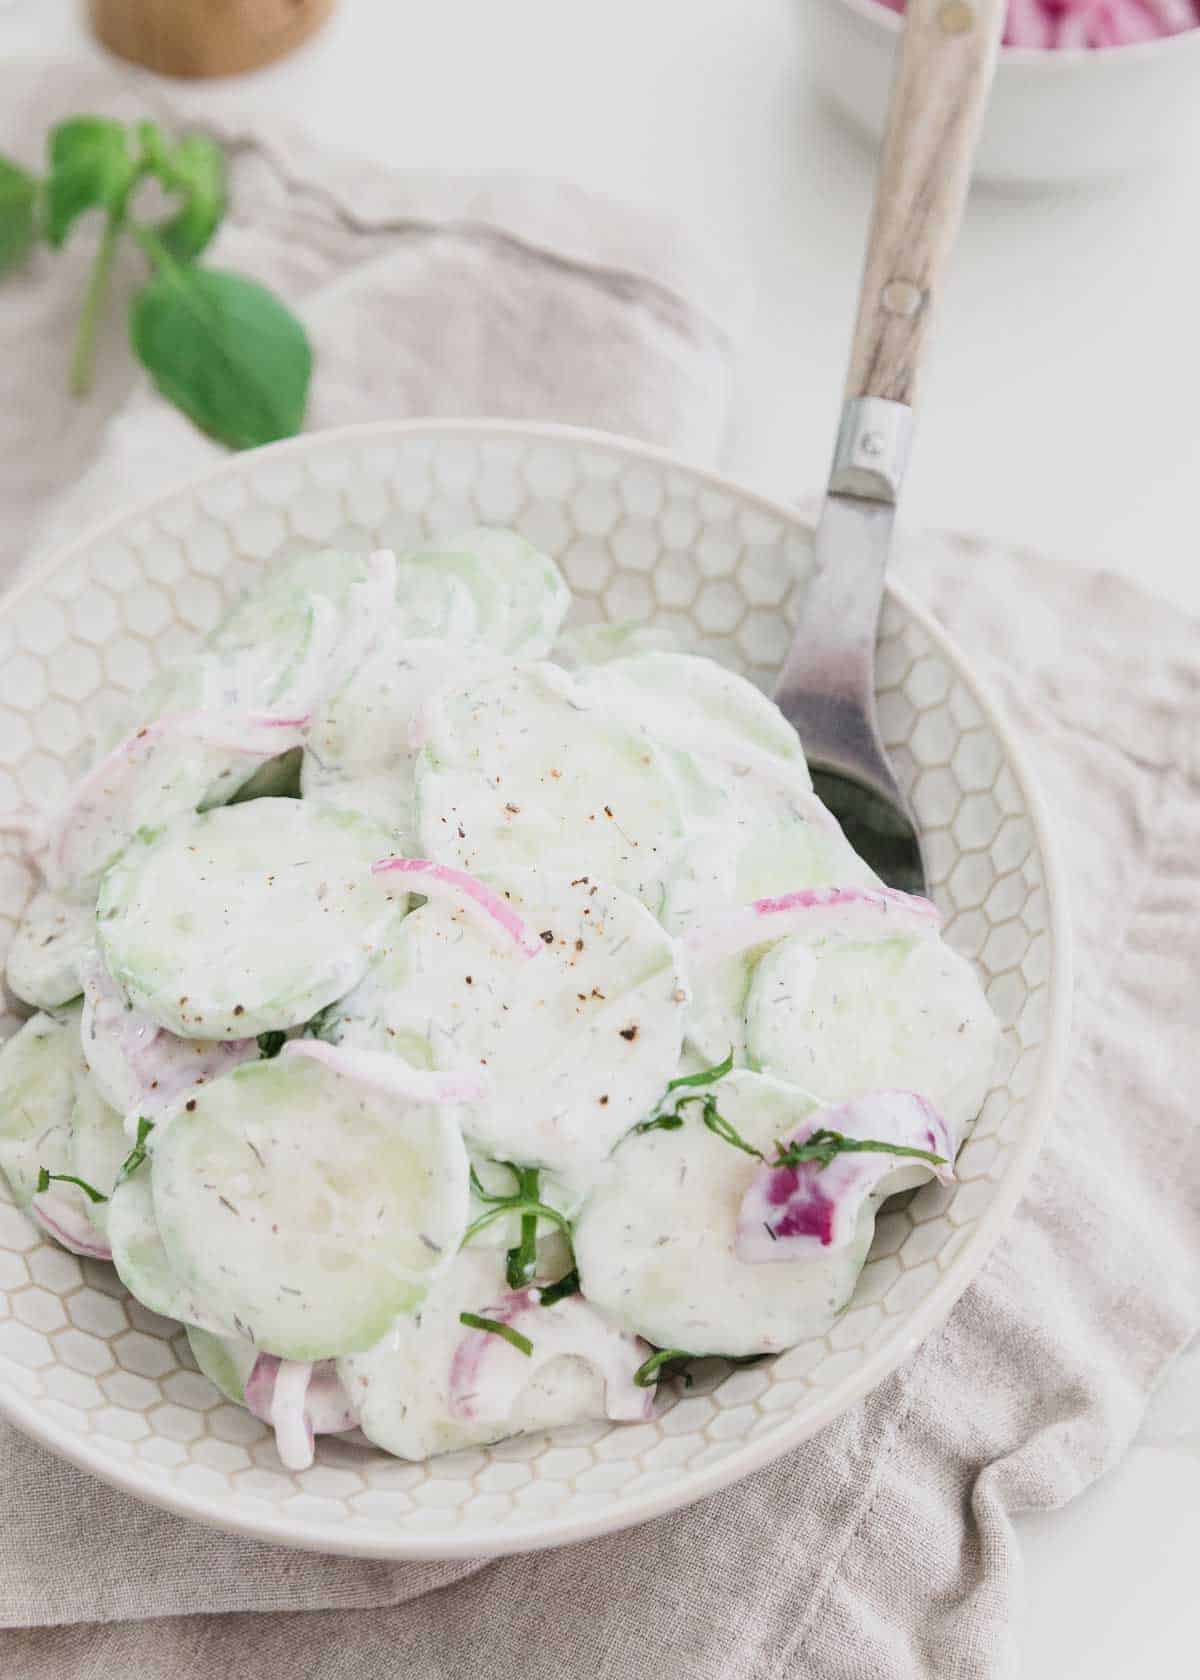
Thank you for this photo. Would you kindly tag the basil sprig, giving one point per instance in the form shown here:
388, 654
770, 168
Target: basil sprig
220, 347
823, 1146
521, 1261
695, 1088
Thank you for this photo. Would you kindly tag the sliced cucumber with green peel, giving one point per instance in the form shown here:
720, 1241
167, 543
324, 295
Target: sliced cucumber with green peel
517, 594
524, 769
845, 1019
697, 705
272, 630
226, 1361
41, 1070
246, 919
362, 746
141, 1259
577, 1041
307, 1210
597, 644
403, 1388
99, 1147
655, 1242
52, 940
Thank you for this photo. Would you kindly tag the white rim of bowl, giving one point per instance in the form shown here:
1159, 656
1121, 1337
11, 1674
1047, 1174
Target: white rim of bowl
228, 1515
1047, 60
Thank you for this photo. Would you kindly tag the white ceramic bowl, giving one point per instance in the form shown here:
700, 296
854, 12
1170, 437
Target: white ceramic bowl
96, 1377
1055, 117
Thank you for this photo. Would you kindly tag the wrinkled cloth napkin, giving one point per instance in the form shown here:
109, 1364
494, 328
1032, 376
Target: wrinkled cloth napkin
883, 1548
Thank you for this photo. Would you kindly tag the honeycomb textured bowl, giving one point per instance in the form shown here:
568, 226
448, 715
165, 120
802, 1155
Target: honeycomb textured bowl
99, 1379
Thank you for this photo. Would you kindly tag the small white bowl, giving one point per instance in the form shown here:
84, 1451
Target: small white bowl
1055, 117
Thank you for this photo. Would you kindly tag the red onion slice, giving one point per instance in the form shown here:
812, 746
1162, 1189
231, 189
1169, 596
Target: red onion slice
807, 1211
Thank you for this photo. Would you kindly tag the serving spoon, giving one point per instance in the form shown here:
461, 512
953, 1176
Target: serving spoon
826, 689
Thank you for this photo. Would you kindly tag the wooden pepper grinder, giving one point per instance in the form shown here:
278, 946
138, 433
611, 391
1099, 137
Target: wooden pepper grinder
205, 37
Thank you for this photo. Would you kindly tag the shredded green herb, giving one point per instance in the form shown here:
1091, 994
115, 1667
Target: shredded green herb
655, 1368
517, 1202
692, 1084
45, 1179
520, 1262
660, 1123
514, 1338
568, 1284
270, 1044
706, 1076
823, 1146
649, 1372
137, 1154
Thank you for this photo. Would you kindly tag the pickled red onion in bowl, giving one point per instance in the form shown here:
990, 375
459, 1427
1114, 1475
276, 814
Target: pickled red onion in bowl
1090, 23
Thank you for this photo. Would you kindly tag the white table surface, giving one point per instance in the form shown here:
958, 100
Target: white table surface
1060, 412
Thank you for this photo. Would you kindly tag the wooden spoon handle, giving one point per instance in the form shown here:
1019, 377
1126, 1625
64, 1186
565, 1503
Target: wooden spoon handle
941, 88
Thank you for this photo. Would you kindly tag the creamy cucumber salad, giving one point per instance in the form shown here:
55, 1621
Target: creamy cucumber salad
458, 1023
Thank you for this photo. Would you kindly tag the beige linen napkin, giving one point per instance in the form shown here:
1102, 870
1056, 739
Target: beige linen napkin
883, 1548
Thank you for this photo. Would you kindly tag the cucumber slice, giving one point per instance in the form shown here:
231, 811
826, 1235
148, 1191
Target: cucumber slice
401, 1387
362, 746
226, 1361
141, 1260
698, 706
272, 633
41, 1070
577, 1042
655, 1241
523, 768
847, 1019
166, 768
53, 939
517, 594
597, 644
99, 1148
139, 1067
750, 836
307, 1211
248, 918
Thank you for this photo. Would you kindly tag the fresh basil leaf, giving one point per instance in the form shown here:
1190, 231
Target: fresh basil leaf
224, 350
270, 1044
90, 169
193, 167
18, 203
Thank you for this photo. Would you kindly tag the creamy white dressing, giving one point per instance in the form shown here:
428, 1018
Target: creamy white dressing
351, 1065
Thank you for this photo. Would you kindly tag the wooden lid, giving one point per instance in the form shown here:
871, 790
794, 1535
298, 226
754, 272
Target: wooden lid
205, 37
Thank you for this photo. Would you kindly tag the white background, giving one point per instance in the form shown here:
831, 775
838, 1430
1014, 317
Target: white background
1061, 411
